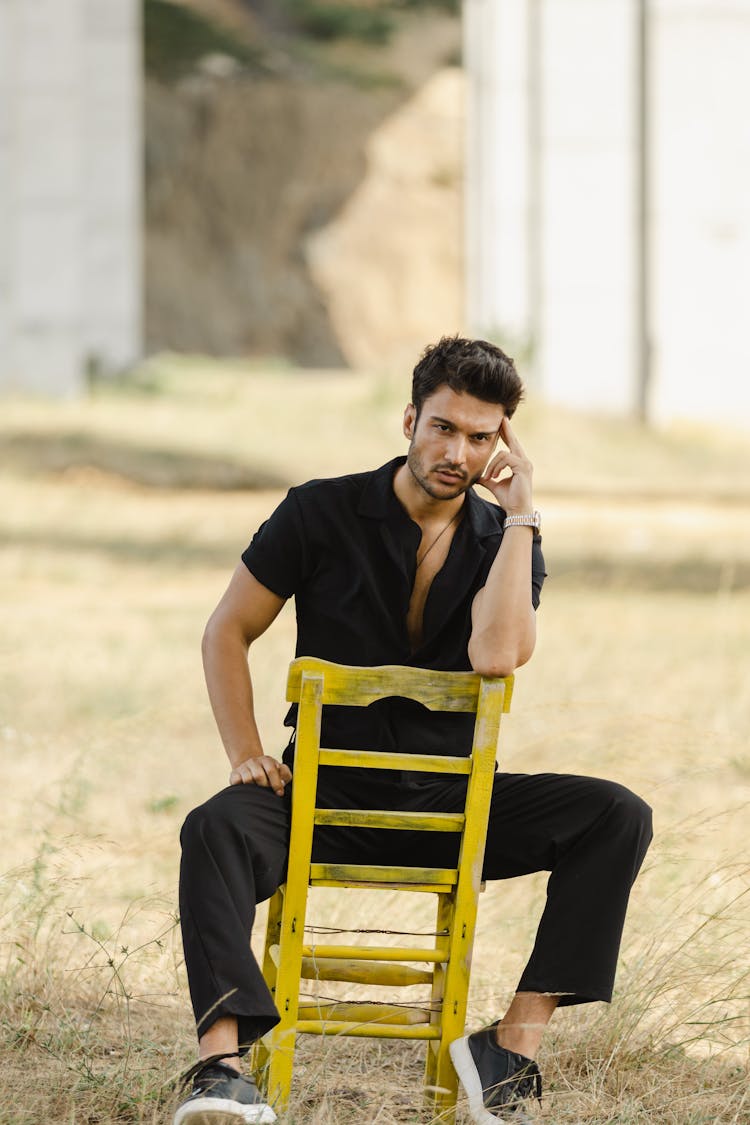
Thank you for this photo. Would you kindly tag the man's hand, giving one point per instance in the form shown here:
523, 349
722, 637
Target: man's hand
264, 771
512, 492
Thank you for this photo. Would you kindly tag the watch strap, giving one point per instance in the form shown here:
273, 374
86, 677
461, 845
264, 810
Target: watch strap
524, 519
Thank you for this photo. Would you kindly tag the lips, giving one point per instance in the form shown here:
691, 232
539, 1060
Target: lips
449, 477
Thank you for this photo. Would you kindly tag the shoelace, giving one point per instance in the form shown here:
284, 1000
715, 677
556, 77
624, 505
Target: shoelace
528, 1081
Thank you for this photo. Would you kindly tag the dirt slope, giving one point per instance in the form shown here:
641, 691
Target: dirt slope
244, 169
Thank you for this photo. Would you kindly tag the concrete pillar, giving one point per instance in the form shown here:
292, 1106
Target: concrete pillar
112, 184
42, 195
69, 190
551, 191
6, 139
497, 195
588, 352
701, 222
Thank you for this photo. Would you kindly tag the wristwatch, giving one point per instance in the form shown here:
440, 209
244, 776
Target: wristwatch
527, 519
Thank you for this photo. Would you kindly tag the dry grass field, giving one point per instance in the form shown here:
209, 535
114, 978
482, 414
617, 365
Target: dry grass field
121, 517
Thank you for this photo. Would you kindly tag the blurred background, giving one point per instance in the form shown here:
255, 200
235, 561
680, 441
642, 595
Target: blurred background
227, 230
337, 182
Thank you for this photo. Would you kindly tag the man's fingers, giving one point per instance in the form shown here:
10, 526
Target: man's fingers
504, 460
510, 439
247, 773
263, 771
272, 770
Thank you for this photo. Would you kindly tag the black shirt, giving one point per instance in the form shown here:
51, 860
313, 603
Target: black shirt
346, 550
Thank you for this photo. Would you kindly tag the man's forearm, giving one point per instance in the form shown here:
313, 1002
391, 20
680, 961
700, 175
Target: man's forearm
503, 630
230, 691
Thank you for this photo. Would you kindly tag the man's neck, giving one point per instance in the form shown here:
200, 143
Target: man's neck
419, 505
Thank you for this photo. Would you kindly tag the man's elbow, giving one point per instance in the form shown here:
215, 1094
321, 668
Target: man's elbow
497, 666
221, 632
497, 661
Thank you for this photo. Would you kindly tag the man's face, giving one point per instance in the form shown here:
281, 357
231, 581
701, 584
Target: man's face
451, 442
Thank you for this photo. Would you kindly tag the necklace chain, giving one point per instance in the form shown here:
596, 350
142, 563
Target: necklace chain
439, 535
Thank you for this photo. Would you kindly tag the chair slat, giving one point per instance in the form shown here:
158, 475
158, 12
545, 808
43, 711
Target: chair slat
363, 1012
369, 1030
415, 763
390, 973
386, 818
374, 873
363, 885
374, 952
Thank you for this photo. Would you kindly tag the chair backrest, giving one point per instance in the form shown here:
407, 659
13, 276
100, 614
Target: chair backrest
358, 687
313, 683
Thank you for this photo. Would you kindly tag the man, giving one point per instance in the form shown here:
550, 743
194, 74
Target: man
403, 565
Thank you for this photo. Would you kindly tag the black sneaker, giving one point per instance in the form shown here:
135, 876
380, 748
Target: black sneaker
221, 1096
496, 1081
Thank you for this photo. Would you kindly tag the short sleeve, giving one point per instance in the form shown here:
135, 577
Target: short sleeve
538, 571
277, 553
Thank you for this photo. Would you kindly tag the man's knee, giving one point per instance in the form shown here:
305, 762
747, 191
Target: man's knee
199, 821
243, 816
631, 817
630, 807
212, 820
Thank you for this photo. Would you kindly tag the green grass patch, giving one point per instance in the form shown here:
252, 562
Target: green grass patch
176, 38
340, 21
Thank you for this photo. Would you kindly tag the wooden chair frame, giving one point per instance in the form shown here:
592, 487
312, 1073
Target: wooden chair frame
445, 965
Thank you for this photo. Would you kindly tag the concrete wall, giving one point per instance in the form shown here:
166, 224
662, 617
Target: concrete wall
701, 210
70, 191
552, 199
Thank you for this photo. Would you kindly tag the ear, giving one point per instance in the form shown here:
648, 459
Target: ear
410, 420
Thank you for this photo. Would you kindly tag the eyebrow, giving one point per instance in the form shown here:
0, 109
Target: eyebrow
477, 433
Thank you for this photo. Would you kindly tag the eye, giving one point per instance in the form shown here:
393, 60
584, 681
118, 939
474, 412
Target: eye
479, 438
442, 426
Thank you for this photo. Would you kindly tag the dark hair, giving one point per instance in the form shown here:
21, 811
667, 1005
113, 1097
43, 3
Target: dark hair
475, 367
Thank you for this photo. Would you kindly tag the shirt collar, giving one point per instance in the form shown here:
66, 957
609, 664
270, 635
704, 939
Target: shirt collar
378, 499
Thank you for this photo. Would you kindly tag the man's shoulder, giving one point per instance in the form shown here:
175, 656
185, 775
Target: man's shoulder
349, 483
343, 490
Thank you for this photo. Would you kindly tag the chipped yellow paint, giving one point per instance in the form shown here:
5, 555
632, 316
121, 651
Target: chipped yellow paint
361, 971
386, 818
377, 760
364, 1013
374, 873
358, 687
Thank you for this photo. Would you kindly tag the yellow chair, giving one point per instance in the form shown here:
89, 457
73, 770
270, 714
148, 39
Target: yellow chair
445, 965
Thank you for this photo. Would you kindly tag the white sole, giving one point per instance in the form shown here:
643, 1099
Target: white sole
221, 1111
468, 1076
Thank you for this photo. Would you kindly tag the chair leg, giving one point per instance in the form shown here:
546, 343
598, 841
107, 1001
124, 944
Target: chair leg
280, 1067
441, 1083
260, 1053
455, 995
280, 1041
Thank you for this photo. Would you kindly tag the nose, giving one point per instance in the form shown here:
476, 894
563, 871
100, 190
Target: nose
455, 450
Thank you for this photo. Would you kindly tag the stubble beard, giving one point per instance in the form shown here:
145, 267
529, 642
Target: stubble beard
421, 476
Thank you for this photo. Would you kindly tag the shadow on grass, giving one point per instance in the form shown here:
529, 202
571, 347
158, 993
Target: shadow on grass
33, 454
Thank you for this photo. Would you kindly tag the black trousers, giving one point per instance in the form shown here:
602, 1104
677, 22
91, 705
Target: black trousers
591, 835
